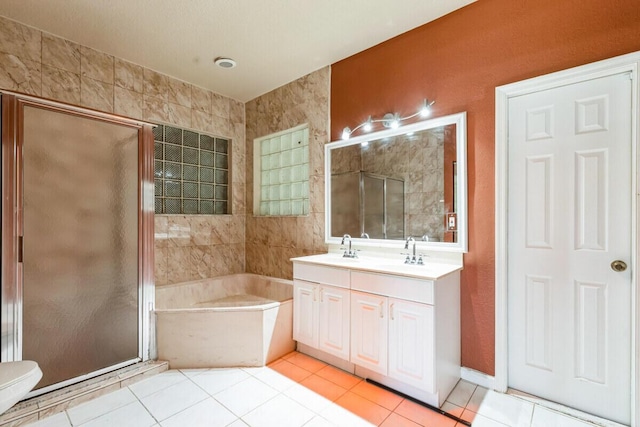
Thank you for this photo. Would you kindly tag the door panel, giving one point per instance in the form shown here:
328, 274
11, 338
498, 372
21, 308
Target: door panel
334, 321
369, 331
305, 320
569, 217
411, 343
80, 227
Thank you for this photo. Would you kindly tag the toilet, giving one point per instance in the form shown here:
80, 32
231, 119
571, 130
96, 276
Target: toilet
16, 380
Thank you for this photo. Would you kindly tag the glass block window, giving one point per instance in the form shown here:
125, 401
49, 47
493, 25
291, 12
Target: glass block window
281, 173
191, 172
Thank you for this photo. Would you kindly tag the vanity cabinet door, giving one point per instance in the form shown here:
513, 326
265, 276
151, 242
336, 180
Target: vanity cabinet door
411, 343
334, 321
305, 313
369, 331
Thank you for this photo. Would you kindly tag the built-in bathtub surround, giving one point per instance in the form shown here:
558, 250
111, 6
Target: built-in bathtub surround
236, 320
41, 64
272, 241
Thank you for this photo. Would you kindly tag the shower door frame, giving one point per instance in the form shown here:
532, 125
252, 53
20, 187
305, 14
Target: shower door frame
13, 105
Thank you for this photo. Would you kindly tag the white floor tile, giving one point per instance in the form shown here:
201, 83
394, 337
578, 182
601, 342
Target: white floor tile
318, 421
461, 393
506, 409
543, 417
57, 420
340, 417
100, 406
307, 398
208, 413
190, 373
156, 383
238, 423
173, 399
216, 380
476, 399
245, 396
480, 421
131, 415
275, 379
279, 411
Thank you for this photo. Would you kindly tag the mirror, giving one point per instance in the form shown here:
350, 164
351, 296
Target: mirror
410, 181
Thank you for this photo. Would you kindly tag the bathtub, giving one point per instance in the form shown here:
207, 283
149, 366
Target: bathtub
236, 320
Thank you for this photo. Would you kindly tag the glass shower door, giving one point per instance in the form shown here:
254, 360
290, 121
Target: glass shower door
80, 277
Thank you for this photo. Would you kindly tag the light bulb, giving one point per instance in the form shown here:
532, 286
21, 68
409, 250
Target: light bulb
346, 133
425, 111
367, 125
395, 122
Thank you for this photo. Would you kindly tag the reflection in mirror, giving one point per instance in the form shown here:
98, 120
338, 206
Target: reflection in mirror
400, 183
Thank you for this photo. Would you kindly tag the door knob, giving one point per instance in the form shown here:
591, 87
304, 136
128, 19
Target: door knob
618, 266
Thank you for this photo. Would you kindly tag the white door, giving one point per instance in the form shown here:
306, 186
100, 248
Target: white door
369, 331
569, 218
305, 313
411, 343
334, 321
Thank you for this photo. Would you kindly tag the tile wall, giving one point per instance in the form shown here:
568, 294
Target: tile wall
187, 247
272, 241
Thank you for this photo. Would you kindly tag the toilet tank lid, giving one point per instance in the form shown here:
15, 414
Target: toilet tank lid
12, 372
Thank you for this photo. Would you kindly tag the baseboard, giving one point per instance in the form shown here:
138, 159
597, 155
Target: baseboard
477, 377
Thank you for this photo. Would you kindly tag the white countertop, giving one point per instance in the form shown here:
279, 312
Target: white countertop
430, 270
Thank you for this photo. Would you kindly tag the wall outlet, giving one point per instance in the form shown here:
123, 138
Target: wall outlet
452, 222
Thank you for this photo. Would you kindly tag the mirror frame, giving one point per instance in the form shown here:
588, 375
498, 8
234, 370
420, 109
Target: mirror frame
460, 120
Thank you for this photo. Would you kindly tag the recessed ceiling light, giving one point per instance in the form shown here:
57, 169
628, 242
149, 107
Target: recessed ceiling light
224, 62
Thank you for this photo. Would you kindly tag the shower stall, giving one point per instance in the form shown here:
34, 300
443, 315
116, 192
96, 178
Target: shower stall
367, 205
77, 239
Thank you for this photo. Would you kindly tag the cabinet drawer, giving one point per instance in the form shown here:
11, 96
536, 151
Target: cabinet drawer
321, 274
393, 286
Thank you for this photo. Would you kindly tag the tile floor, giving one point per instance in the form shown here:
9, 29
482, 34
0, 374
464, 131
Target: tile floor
294, 391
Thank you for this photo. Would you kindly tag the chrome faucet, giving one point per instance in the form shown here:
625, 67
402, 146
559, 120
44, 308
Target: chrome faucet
348, 253
406, 246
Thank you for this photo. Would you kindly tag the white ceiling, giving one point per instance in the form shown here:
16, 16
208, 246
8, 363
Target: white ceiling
273, 41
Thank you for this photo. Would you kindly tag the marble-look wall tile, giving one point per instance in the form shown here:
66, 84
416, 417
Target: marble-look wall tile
305, 100
201, 259
178, 264
21, 41
220, 125
155, 85
220, 105
97, 95
202, 120
20, 74
60, 85
127, 102
96, 65
180, 92
60, 53
160, 265
45, 65
179, 115
201, 99
129, 75
155, 109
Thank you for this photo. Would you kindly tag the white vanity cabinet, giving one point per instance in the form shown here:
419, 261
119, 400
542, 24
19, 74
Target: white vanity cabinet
400, 330
321, 308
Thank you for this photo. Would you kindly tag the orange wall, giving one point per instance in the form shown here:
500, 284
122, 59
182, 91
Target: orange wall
458, 60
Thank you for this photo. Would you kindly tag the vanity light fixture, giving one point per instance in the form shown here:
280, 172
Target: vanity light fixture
389, 120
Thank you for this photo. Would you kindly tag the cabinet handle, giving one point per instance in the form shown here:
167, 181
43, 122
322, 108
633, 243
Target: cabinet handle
381, 309
321, 295
391, 310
